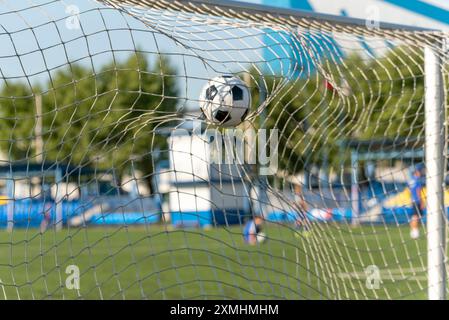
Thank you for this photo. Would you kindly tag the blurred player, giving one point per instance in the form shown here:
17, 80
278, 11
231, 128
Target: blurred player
46, 220
252, 229
416, 185
301, 223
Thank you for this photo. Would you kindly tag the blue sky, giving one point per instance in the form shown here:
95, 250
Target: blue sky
38, 41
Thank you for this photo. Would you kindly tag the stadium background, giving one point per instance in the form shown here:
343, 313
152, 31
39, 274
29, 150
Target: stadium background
138, 206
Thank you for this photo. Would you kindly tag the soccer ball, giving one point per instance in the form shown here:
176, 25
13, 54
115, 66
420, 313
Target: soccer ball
261, 237
225, 101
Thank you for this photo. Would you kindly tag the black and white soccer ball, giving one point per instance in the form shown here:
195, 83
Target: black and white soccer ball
225, 101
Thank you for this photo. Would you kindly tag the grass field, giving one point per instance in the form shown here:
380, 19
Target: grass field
152, 262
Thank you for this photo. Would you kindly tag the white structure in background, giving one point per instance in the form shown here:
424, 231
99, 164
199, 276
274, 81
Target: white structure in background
203, 193
135, 184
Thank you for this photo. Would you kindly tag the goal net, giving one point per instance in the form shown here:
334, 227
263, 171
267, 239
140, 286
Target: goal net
115, 184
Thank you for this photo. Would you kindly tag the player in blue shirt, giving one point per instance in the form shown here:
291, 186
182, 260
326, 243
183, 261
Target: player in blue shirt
251, 229
416, 185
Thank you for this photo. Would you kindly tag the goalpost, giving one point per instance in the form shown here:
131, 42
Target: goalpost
435, 151
112, 184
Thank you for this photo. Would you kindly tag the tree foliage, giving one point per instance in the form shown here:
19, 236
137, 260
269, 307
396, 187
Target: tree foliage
99, 118
358, 98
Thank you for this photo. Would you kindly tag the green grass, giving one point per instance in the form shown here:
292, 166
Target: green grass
154, 263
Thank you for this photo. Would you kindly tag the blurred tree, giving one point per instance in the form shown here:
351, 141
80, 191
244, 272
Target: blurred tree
103, 119
17, 114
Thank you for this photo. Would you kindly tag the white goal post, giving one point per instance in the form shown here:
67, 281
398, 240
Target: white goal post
435, 153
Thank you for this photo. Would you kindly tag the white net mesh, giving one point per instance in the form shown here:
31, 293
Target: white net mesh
108, 168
